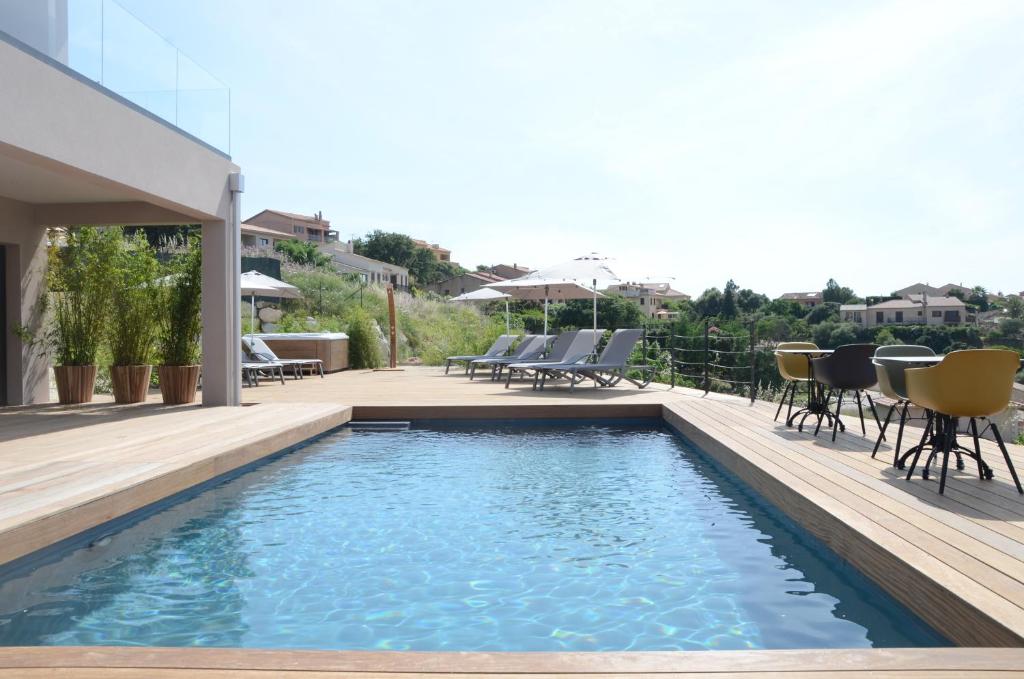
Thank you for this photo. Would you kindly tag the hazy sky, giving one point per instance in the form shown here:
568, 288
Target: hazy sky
777, 143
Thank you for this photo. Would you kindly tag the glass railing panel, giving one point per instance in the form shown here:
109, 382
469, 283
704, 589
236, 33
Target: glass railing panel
104, 42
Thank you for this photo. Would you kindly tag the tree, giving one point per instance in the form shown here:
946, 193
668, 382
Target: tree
399, 249
729, 300
829, 311
393, 248
978, 298
750, 301
709, 303
304, 253
613, 312
834, 292
1015, 307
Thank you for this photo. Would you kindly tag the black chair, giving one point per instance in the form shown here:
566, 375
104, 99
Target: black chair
849, 368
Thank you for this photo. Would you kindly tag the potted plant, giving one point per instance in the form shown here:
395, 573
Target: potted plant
180, 326
79, 279
135, 305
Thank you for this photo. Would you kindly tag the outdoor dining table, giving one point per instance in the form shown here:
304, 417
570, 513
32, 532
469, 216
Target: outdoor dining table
816, 406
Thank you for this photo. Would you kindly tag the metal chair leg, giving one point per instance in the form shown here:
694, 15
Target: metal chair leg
785, 392
973, 426
839, 405
947, 445
899, 434
1006, 456
860, 411
821, 415
881, 433
920, 446
874, 412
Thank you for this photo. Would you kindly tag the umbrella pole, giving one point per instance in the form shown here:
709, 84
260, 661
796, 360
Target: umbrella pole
545, 316
595, 315
252, 319
508, 326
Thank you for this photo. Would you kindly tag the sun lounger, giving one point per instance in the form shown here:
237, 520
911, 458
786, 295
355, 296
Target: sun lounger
570, 347
499, 348
259, 351
253, 367
532, 348
608, 369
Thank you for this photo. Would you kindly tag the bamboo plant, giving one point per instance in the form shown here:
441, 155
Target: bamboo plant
181, 321
80, 279
136, 303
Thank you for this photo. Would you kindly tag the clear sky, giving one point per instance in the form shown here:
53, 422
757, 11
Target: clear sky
777, 143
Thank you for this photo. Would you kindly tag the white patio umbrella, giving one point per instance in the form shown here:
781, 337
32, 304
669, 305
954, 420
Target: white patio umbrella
487, 295
254, 283
578, 278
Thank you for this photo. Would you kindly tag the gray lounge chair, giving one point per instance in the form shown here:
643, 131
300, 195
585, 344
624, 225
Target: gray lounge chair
253, 367
258, 350
532, 348
573, 346
499, 348
608, 370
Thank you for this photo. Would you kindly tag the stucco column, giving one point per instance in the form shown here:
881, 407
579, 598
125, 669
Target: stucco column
222, 321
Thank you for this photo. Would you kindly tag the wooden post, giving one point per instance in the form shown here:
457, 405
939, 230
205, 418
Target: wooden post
393, 333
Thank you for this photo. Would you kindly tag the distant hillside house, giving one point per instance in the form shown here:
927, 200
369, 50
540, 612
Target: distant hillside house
509, 272
915, 309
373, 271
931, 291
300, 227
470, 281
652, 298
440, 254
807, 300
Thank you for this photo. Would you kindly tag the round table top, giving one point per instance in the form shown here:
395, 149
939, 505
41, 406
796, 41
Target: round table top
806, 352
911, 359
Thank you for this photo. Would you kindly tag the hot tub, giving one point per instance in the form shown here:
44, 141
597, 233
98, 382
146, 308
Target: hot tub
329, 347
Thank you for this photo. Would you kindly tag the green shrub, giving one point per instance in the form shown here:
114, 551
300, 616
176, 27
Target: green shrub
136, 302
363, 351
181, 301
80, 277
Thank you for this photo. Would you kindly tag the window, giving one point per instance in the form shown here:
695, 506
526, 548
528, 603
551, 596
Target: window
879, 317
641, 301
856, 316
264, 241
899, 316
919, 312
936, 313
298, 229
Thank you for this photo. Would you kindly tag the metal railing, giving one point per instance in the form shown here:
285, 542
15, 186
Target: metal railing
709, 360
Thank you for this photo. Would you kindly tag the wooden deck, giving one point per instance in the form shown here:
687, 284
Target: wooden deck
957, 560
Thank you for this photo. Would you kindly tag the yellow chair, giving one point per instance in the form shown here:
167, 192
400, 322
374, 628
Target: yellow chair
975, 384
794, 368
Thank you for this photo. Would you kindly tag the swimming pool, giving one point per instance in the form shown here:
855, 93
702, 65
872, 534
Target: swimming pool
496, 536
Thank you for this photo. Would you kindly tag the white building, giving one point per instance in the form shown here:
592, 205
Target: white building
915, 309
652, 298
74, 151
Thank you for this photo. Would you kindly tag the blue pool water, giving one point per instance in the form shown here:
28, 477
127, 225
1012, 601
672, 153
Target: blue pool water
548, 537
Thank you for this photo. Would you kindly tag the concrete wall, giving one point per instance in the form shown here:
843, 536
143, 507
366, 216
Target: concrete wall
25, 244
54, 119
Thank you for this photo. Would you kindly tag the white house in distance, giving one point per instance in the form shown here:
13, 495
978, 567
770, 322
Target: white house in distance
76, 150
652, 298
914, 309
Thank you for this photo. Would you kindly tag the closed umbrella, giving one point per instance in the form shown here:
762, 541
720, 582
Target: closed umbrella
254, 283
487, 295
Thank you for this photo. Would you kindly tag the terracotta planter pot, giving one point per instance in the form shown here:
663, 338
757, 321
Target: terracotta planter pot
75, 383
130, 382
178, 383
